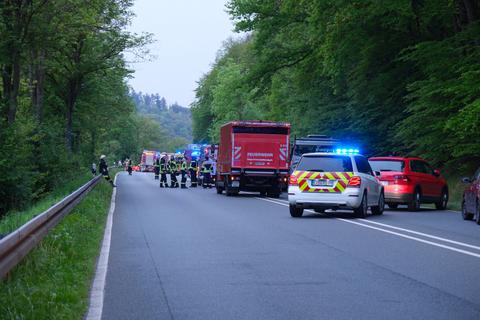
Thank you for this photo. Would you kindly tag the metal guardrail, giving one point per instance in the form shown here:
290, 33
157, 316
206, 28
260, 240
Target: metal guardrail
16, 245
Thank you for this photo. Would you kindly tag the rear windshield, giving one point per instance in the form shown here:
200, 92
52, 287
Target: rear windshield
301, 149
325, 164
264, 130
387, 165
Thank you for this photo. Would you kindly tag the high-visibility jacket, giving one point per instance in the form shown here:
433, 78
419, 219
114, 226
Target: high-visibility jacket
193, 165
163, 166
207, 166
172, 166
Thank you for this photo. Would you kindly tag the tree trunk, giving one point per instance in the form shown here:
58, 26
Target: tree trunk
470, 11
11, 86
38, 85
71, 99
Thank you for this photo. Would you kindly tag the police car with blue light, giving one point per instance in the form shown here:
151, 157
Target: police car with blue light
337, 180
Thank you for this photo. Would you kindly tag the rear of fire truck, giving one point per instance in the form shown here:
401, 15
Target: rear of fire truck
253, 156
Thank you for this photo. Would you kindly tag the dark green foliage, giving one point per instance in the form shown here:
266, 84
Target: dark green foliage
174, 119
396, 76
63, 96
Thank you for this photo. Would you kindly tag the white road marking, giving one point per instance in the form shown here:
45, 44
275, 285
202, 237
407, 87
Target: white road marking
356, 222
95, 308
426, 235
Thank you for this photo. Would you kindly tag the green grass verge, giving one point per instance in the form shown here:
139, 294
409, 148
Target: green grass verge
53, 281
14, 219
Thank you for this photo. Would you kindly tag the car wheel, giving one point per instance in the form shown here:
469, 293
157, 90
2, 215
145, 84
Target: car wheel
378, 210
465, 214
319, 210
219, 190
296, 212
362, 210
414, 205
478, 212
442, 204
393, 205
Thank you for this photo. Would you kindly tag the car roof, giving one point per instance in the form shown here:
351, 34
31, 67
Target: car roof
395, 158
329, 154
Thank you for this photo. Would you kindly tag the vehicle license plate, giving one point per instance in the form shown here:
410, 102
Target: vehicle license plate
322, 183
235, 184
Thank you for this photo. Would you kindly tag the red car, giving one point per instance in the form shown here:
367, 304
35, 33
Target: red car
471, 198
410, 181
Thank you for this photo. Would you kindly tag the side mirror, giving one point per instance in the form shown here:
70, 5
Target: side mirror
466, 180
436, 173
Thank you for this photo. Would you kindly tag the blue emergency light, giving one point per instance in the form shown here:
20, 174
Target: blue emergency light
347, 151
195, 153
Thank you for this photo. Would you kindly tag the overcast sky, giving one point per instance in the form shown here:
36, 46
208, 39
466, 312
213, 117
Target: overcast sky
188, 34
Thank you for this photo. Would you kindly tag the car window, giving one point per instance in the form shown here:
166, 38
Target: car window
387, 165
362, 165
420, 167
325, 163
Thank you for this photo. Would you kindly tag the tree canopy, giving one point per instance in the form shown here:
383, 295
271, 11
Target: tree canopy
397, 76
63, 97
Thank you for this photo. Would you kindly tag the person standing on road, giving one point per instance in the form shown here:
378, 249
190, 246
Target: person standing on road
172, 165
193, 173
104, 170
157, 168
183, 170
163, 171
129, 167
94, 169
207, 167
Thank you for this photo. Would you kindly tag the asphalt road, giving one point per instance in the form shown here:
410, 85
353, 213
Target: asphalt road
193, 254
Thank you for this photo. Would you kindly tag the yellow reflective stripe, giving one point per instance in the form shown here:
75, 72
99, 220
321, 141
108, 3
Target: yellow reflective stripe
314, 175
303, 175
303, 186
330, 176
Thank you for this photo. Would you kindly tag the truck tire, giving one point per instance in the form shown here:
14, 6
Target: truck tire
275, 195
295, 212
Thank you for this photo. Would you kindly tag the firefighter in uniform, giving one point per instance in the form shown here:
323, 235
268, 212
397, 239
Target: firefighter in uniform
183, 171
163, 172
207, 168
172, 165
193, 173
157, 168
104, 170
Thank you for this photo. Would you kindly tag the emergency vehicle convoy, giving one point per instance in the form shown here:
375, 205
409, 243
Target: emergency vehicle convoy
320, 172
253, 156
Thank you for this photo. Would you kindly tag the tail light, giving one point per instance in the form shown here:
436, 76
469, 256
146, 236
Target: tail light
400, 179
293, 181
355, 182
233, 178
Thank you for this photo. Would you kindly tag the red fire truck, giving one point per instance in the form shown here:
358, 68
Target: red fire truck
253, 156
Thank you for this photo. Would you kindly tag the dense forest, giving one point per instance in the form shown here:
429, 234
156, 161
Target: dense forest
398, 76
174, 119
63, 96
